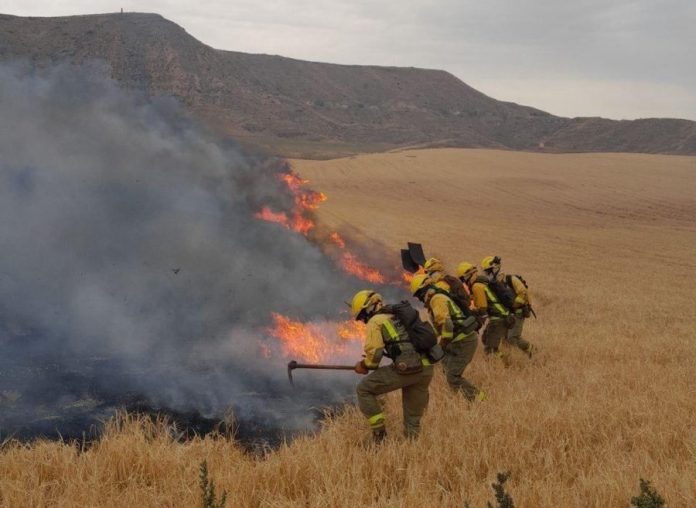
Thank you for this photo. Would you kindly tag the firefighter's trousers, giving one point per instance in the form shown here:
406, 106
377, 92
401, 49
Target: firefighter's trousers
493, 334
514, 335
414, 396
458, 354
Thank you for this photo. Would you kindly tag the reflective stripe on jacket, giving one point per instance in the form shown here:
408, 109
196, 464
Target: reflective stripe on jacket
380, 330
521, 292
485, 299
444, 313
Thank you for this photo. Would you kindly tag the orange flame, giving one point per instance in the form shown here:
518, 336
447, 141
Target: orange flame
300, 221
309, 200
299, 340
407, 277
312, 342
336, 239
351, 330
293, 181
301, 224
306, 200
352, 265
268, 215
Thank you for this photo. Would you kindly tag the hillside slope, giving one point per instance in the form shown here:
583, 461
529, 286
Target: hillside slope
295, 107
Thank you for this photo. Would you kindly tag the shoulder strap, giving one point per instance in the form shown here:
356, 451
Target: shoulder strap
440, 291
461, 314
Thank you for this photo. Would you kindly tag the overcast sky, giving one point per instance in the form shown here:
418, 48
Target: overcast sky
612, 58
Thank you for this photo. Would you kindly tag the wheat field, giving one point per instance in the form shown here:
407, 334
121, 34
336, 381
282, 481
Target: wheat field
607, 243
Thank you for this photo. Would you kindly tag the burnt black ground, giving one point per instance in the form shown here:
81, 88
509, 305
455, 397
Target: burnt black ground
79, 395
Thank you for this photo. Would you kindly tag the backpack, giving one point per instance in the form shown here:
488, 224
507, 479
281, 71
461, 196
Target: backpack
459, 295
527, 310
420, 333
504, 293
508, 281
467, 322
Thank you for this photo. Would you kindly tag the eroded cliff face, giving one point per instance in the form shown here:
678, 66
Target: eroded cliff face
299, 108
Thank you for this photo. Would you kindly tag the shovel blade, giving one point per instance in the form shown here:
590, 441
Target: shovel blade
416, 252
408, 263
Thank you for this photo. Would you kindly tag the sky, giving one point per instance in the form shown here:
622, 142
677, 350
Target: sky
620, 59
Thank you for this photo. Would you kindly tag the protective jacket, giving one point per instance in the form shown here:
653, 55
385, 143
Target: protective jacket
522, 296
486, 301
438, 279
384, 334
448, 319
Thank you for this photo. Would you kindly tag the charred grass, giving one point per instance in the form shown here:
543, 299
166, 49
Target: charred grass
609, 399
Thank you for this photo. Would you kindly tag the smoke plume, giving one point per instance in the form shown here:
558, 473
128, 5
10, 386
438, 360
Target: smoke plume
131, 263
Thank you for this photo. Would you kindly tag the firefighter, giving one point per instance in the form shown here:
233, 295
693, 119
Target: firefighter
455, 289
434, 269
467, 273
522, 309
386, 336
490, 308
456, 330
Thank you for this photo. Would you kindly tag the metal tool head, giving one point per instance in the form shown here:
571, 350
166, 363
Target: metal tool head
408, 263
291, 366
416, 252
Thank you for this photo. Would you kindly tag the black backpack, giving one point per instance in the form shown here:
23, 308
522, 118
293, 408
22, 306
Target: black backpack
458, 294
506, 296
420, 333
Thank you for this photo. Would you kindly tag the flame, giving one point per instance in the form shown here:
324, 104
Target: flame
299, 340
268, 215
301, 224
314, 342
351, 330
306, 200
335, 238
300, 220
352, 265
407, 277
293, 181
309, 200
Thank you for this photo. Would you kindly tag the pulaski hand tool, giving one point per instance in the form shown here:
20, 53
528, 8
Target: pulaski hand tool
294, 365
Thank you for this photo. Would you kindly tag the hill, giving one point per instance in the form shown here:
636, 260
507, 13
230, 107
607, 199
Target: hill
294, 107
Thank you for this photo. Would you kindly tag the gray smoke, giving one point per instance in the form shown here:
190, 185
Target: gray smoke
130, 258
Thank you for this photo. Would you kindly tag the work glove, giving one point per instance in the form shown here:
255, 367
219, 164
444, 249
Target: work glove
360, 368
510, 320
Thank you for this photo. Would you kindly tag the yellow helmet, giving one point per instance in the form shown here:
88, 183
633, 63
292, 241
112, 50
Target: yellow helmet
364, 300
465, 269
418, 282
433, 265
490, 262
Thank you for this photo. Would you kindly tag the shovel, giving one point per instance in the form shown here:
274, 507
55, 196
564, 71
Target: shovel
416, 251
407, 261
413, 257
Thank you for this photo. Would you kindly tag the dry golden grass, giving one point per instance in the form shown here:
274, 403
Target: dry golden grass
607, 241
